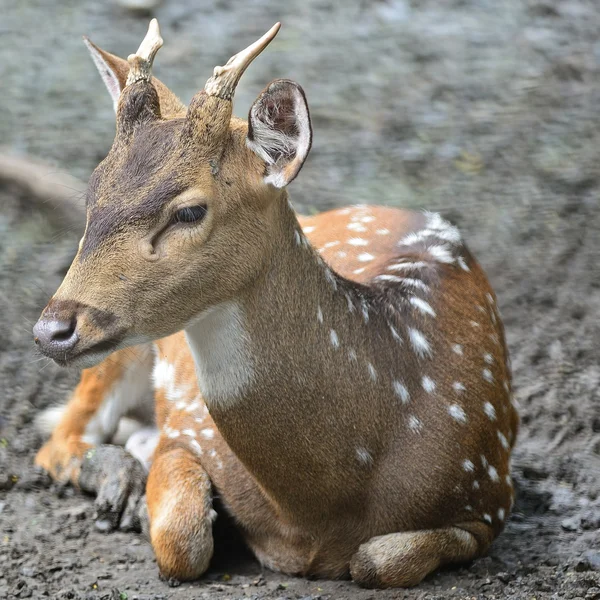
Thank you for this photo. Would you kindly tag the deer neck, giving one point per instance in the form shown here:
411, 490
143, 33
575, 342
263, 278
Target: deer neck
278, 368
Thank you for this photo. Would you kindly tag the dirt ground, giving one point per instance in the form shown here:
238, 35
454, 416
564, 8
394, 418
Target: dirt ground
484, 110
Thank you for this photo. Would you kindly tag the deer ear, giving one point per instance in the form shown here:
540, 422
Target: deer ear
112, 69
114, 72
279, 130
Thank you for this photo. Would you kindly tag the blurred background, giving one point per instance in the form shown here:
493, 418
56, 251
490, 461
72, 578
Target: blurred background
486, 110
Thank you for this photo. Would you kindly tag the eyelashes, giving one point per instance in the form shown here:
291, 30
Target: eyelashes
190, 214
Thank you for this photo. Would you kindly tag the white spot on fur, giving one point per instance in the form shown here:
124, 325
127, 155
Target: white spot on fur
428, 384
364, 456
392, 278
365, 257
414, 424
508, 481
319, 314
419, 342
503, 440
358, 242
368, 219
341, 254
395, 334
401, 391
364, 309
457, 349
490, 298
350, 302
196, 447
358, 271
501, 514
372, 371
463, 265
333, 336
487, 518
352, 354
406, 266
458, 387
208, 433
489, 359
441, 254
468, 507
189, 432
421, 305
484, 461
475, 324
331, 279
163, 374
356, 227
331, 244
457, 413
172, 433
382, 231
416, 283
493, 473
490, 411
475, 485
309, 229
487, 375
468, 466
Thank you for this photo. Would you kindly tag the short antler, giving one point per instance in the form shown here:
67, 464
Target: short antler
140, 63
225, 79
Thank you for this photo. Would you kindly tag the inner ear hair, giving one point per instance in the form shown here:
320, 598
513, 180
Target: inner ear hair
279, 130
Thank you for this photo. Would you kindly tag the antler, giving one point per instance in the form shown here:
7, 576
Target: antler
140, 63
225, 79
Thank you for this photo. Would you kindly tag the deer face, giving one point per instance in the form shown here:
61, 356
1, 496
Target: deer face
179, 214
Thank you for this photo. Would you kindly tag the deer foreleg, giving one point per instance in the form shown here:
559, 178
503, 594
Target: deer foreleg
179, 503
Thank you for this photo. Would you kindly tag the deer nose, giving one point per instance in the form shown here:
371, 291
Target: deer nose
55, 337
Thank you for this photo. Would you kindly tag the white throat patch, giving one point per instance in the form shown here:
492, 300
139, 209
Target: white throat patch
217, 340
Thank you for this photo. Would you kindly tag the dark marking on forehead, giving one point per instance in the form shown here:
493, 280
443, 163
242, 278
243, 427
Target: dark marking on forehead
134, 182
110, 219
132, 166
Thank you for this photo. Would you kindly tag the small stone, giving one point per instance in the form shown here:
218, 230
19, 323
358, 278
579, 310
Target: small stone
592, 559
571, 524
28, 571
503, 577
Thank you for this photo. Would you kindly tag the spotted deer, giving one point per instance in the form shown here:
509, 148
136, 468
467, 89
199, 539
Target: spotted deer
341, 380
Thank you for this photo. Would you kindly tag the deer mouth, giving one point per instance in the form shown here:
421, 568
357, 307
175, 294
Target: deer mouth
90, 356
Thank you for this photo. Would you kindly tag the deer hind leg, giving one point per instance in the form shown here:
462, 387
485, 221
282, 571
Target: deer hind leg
405, 559
179, 505
119, 385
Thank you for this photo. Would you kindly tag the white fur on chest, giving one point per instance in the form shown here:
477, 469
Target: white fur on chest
218, 343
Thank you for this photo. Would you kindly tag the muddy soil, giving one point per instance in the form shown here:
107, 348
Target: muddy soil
484, 110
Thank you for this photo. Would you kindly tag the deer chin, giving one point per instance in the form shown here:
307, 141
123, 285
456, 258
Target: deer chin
91, 354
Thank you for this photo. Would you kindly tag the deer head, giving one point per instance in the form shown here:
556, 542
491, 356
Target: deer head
181, 213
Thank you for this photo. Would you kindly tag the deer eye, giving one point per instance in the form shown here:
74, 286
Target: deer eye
190, 214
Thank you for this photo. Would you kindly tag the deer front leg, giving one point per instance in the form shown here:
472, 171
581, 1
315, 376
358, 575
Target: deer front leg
105, 393
405, 559
179, 503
